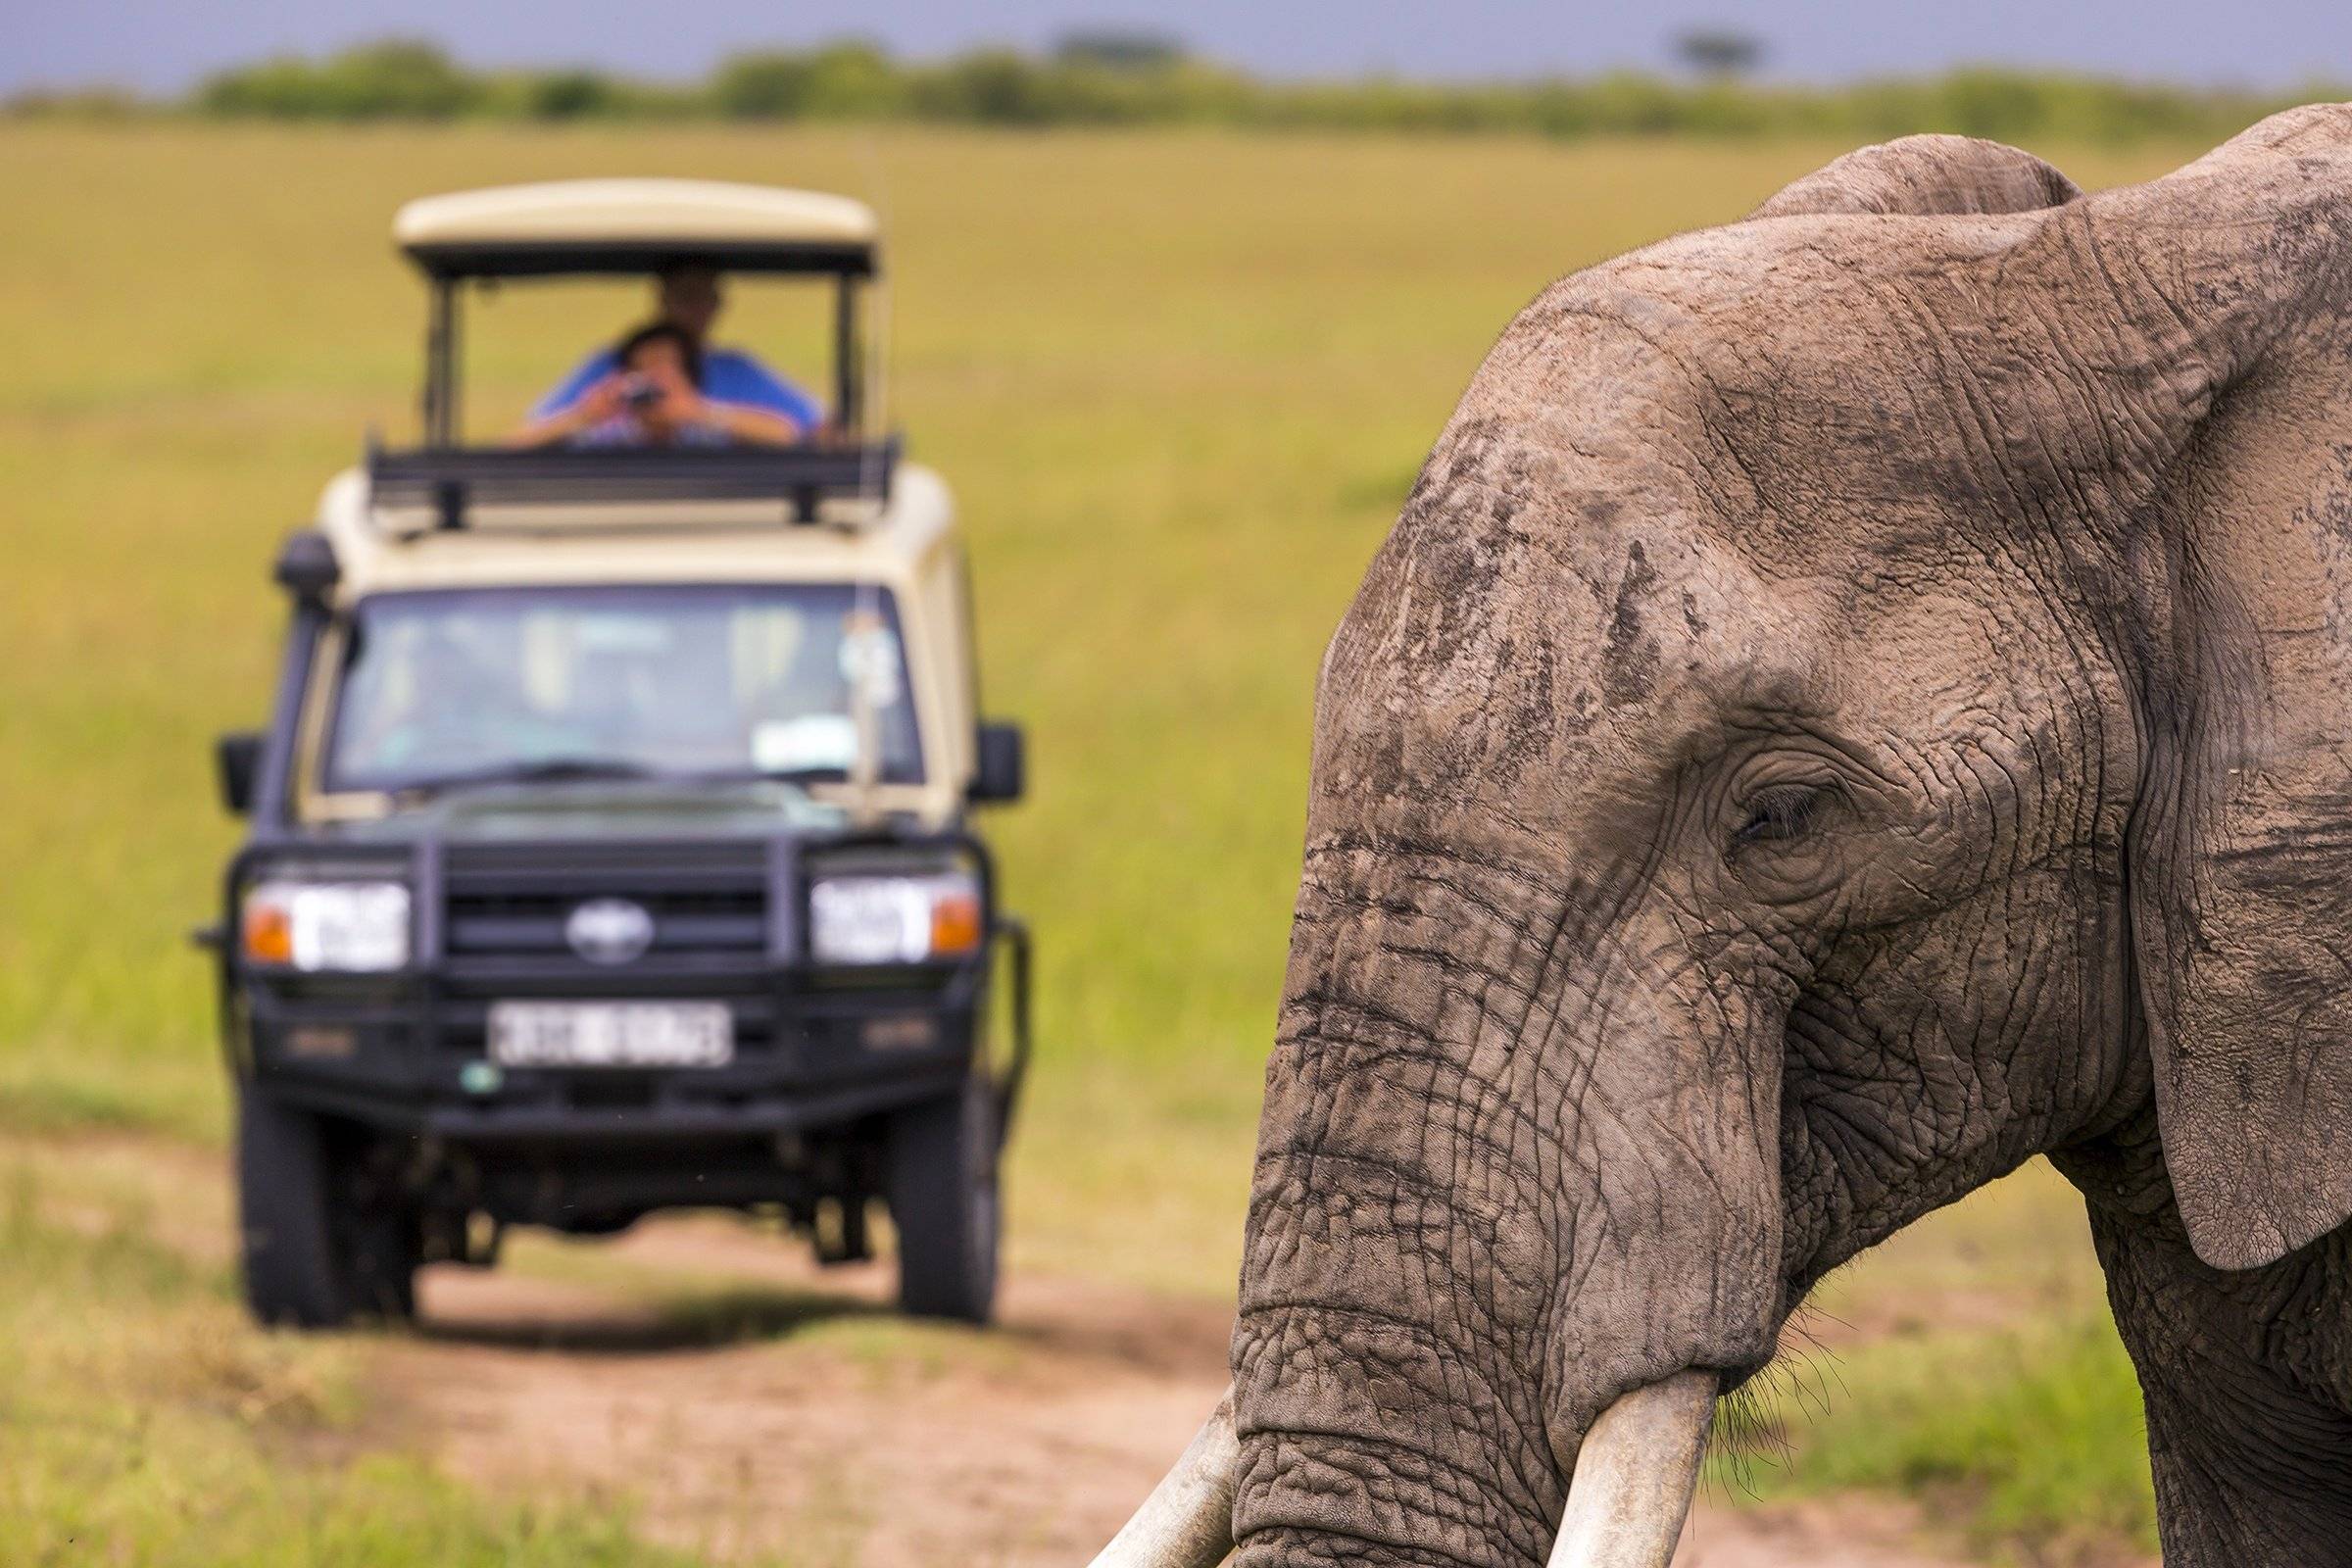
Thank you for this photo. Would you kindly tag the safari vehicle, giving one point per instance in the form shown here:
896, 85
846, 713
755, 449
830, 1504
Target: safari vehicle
609, 845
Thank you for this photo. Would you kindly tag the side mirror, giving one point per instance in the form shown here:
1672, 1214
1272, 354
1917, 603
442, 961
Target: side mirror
238, 758
306, 566
1001, 769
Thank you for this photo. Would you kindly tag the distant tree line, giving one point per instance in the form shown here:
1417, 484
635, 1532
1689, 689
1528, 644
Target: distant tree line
1114, 78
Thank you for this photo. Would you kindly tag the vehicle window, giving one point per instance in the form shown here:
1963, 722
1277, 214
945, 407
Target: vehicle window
440, 687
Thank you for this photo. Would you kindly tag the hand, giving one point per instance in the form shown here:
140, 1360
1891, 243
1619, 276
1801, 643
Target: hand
682, 402
603, 400
606, 400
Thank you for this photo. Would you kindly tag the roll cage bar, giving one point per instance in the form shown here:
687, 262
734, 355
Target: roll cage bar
447, 272
444, 475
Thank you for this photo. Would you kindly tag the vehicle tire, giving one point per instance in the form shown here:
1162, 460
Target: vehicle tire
285, 1216
943, 1200
319, 1248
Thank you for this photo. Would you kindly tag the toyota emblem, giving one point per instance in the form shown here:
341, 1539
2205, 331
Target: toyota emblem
609, 931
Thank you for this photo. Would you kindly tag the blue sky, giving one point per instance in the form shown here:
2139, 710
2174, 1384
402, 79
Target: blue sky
161, 44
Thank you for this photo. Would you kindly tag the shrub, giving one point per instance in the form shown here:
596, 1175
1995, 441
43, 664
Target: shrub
1117, 78
848, 80
397, 79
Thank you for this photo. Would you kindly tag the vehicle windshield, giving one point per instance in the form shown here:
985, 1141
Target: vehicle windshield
441, 689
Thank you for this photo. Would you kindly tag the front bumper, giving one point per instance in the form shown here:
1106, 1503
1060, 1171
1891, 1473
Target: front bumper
405, 1060
815, 1047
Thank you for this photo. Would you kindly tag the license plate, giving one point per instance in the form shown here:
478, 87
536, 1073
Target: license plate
611, 1033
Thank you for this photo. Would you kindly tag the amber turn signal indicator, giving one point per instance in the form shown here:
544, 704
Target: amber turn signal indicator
956, 922
269, 932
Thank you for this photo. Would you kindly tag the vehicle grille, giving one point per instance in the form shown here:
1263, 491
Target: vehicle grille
711, 920
505, 907
515, 900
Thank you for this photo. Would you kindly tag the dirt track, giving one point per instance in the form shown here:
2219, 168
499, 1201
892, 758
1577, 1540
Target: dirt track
753, 1422
769, 1417
744, 1402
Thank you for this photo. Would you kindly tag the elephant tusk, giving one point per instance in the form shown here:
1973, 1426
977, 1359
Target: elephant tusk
1634, 1475
1188, 1520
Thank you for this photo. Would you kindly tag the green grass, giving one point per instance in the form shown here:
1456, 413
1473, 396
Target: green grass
142, 1420
1179, 382
1969, 1363
2029, 1439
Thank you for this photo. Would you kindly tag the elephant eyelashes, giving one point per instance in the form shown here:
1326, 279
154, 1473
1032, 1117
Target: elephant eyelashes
1779, 814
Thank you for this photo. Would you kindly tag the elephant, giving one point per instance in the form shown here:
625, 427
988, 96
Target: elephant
1856, 698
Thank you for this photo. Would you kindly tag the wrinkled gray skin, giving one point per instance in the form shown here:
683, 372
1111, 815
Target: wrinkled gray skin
1856, 698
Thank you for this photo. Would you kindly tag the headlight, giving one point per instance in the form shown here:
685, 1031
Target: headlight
352, 926
892, 919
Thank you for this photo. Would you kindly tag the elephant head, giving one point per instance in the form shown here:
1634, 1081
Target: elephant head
1855, 698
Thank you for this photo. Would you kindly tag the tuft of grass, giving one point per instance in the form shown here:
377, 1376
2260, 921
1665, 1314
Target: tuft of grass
57, 1093
143, 1420
2029, 1440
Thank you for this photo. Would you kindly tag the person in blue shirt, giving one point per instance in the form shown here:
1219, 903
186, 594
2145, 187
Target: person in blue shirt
653, 398
730, 396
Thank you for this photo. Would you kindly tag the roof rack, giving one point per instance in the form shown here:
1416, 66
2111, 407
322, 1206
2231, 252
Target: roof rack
449, 480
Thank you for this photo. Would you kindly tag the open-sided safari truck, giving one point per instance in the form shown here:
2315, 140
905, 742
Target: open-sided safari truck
609, 844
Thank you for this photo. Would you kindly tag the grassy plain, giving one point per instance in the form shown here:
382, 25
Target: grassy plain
1179, 381
143, 1421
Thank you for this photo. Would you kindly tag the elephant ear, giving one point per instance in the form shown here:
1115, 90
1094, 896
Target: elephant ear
2239, 269
1925, 176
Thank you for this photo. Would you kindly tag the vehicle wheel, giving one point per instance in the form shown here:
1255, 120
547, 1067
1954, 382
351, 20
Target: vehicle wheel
318, 1249
285, 1216
942, 1201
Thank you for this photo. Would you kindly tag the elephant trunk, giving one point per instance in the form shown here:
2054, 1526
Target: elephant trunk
1389, 1356
1517, 1183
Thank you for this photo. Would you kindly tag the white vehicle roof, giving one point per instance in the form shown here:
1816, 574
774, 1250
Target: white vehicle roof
566, 223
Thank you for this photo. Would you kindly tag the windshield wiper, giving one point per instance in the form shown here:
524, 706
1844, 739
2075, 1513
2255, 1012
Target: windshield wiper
548, 770
771, 775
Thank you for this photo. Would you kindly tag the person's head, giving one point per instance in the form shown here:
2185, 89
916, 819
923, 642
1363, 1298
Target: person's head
663, 355
662, 351
690, 298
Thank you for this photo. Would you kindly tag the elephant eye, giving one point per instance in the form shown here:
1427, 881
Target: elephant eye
1784, 812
